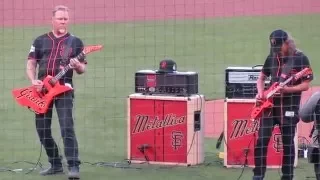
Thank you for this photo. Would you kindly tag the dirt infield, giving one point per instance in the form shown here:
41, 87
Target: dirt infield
37, 12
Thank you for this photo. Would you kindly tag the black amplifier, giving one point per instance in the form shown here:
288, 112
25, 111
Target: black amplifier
241, 82
170, 83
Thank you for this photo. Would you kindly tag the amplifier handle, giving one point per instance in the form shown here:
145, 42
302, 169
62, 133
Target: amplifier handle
257, 66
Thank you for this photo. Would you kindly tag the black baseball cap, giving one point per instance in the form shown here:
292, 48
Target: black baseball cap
167, 65
277, 38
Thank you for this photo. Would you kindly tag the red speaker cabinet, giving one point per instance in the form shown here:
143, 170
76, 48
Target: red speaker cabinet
165, 129
241, 133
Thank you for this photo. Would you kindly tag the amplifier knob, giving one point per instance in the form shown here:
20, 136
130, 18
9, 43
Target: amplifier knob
152, 89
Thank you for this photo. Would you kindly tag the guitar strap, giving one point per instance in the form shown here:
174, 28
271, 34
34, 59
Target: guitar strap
65, 55
285, 69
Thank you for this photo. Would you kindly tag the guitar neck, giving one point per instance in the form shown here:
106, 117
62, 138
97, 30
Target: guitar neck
297, 76
64, 70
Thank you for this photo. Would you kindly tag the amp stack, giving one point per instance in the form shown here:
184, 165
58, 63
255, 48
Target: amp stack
165, 123
241, 82
241, 132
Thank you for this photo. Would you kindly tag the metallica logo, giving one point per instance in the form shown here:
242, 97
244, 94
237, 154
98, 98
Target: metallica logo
243, 128
277, 142
177, 137
28, 94
145, 122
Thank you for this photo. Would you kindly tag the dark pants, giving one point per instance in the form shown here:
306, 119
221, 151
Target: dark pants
64, 106
287, 126
317, 126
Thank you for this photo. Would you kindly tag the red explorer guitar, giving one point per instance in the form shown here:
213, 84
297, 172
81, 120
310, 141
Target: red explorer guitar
274, 89
39, 101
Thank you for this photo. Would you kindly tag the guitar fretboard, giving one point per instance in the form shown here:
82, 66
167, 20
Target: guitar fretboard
64, 70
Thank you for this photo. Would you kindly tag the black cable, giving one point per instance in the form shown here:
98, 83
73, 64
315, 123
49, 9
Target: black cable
128, 164
113, 165
218, 144
100, 164
222, 136
6, 170
246, 155
244, 165
142, 150
38, 163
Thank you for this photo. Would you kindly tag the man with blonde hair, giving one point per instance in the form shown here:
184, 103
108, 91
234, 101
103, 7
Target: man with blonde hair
283, 61
51, 52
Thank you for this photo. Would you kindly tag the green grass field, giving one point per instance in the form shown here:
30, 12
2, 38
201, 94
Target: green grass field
207, 46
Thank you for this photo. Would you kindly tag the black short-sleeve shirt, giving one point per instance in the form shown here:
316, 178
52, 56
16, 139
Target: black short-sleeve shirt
48, 51
280, 68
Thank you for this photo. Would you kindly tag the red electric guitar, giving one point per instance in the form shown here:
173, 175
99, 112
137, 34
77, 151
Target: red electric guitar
39, 101
274, 89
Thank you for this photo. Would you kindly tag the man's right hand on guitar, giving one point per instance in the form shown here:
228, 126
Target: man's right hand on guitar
259, 98
37, 84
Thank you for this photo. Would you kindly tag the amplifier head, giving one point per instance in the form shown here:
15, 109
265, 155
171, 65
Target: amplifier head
172, 83
240, 82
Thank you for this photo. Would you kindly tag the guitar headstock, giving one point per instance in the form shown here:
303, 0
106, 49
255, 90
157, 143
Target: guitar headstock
308, 71
92, 48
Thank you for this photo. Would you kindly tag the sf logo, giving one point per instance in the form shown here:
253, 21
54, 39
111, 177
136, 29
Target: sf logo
176, 137
277, 142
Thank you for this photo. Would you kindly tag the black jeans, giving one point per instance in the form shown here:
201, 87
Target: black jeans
64, 106
287, 126
317, 126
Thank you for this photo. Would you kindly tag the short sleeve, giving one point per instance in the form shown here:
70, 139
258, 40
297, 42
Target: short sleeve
305, 63
78, 49
266, 68
34, 52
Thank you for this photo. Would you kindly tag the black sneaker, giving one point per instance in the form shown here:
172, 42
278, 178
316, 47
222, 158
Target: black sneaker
286, 178
74, 173
257, 178
52, 170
